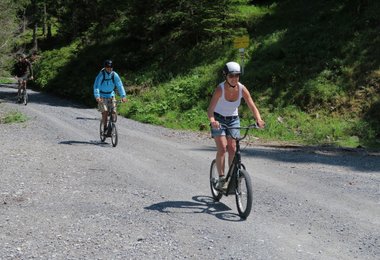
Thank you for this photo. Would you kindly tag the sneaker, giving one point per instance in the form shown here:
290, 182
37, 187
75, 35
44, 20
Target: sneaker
222, 184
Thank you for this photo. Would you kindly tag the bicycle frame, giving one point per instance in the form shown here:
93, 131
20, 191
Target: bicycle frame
111, 127
110, 120
109, 111
236, 165
232, 173
23, 98
237, 179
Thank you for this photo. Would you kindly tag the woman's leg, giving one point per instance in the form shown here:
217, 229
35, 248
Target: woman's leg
221, 146
231, 148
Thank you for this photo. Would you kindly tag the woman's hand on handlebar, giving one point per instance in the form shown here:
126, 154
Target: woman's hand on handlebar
215, 124
260, 123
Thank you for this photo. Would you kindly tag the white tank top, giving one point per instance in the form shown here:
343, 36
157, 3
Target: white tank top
228, 108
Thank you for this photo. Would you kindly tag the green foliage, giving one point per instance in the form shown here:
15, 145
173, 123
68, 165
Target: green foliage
292, 125
317, 48
319, 92
176, 103
312, 67
180, 21
7, 80
366, 132
8, 21
50, 66
13, 117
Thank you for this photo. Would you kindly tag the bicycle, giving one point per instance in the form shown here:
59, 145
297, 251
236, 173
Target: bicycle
111, 128
237, 179
23, 99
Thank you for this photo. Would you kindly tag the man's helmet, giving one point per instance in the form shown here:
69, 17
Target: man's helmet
231, 68
108, 63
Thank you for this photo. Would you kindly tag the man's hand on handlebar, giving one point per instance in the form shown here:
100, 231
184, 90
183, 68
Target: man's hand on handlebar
100, 100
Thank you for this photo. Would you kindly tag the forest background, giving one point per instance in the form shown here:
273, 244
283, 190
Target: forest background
312, 67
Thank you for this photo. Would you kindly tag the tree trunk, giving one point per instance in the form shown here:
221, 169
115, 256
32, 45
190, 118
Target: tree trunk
44, 26
49, 31
35, 45
24, 21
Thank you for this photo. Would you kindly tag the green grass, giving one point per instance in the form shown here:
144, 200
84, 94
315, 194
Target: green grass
13, 117
292, 125
7, 80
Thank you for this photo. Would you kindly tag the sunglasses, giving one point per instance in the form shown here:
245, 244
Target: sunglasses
231, 76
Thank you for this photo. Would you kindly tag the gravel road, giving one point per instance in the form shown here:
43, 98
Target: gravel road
66, 195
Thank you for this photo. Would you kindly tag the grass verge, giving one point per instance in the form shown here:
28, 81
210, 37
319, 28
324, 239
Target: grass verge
12, 117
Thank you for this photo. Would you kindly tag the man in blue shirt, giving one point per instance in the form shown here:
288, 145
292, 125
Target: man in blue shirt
104, 93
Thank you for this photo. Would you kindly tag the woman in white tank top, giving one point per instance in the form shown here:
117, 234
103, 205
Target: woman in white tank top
223, 108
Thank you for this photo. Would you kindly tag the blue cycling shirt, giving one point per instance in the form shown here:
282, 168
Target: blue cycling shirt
105, 88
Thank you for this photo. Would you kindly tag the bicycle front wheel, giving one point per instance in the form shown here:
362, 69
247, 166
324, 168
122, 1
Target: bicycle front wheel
244, 193
114, 137
214, 177
25, 97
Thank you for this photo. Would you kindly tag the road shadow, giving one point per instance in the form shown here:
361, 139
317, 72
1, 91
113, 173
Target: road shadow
8, 94
8, 85
87, 118
200, 204
91, 142
356, 159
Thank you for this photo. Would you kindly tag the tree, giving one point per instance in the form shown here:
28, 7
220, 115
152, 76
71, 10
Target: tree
8, 21
180, 21
77, 16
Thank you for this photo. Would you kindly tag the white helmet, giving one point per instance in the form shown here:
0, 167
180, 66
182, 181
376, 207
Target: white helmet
231, 68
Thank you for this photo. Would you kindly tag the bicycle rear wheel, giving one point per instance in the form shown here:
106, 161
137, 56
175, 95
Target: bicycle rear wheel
244, 194
101, 131
114, 137
214, 177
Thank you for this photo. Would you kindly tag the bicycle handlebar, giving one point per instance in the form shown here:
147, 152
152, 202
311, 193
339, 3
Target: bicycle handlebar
101, 100
246, 128
251, 126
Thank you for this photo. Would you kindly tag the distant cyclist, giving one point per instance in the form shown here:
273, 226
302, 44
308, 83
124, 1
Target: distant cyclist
23, 70
104, 93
